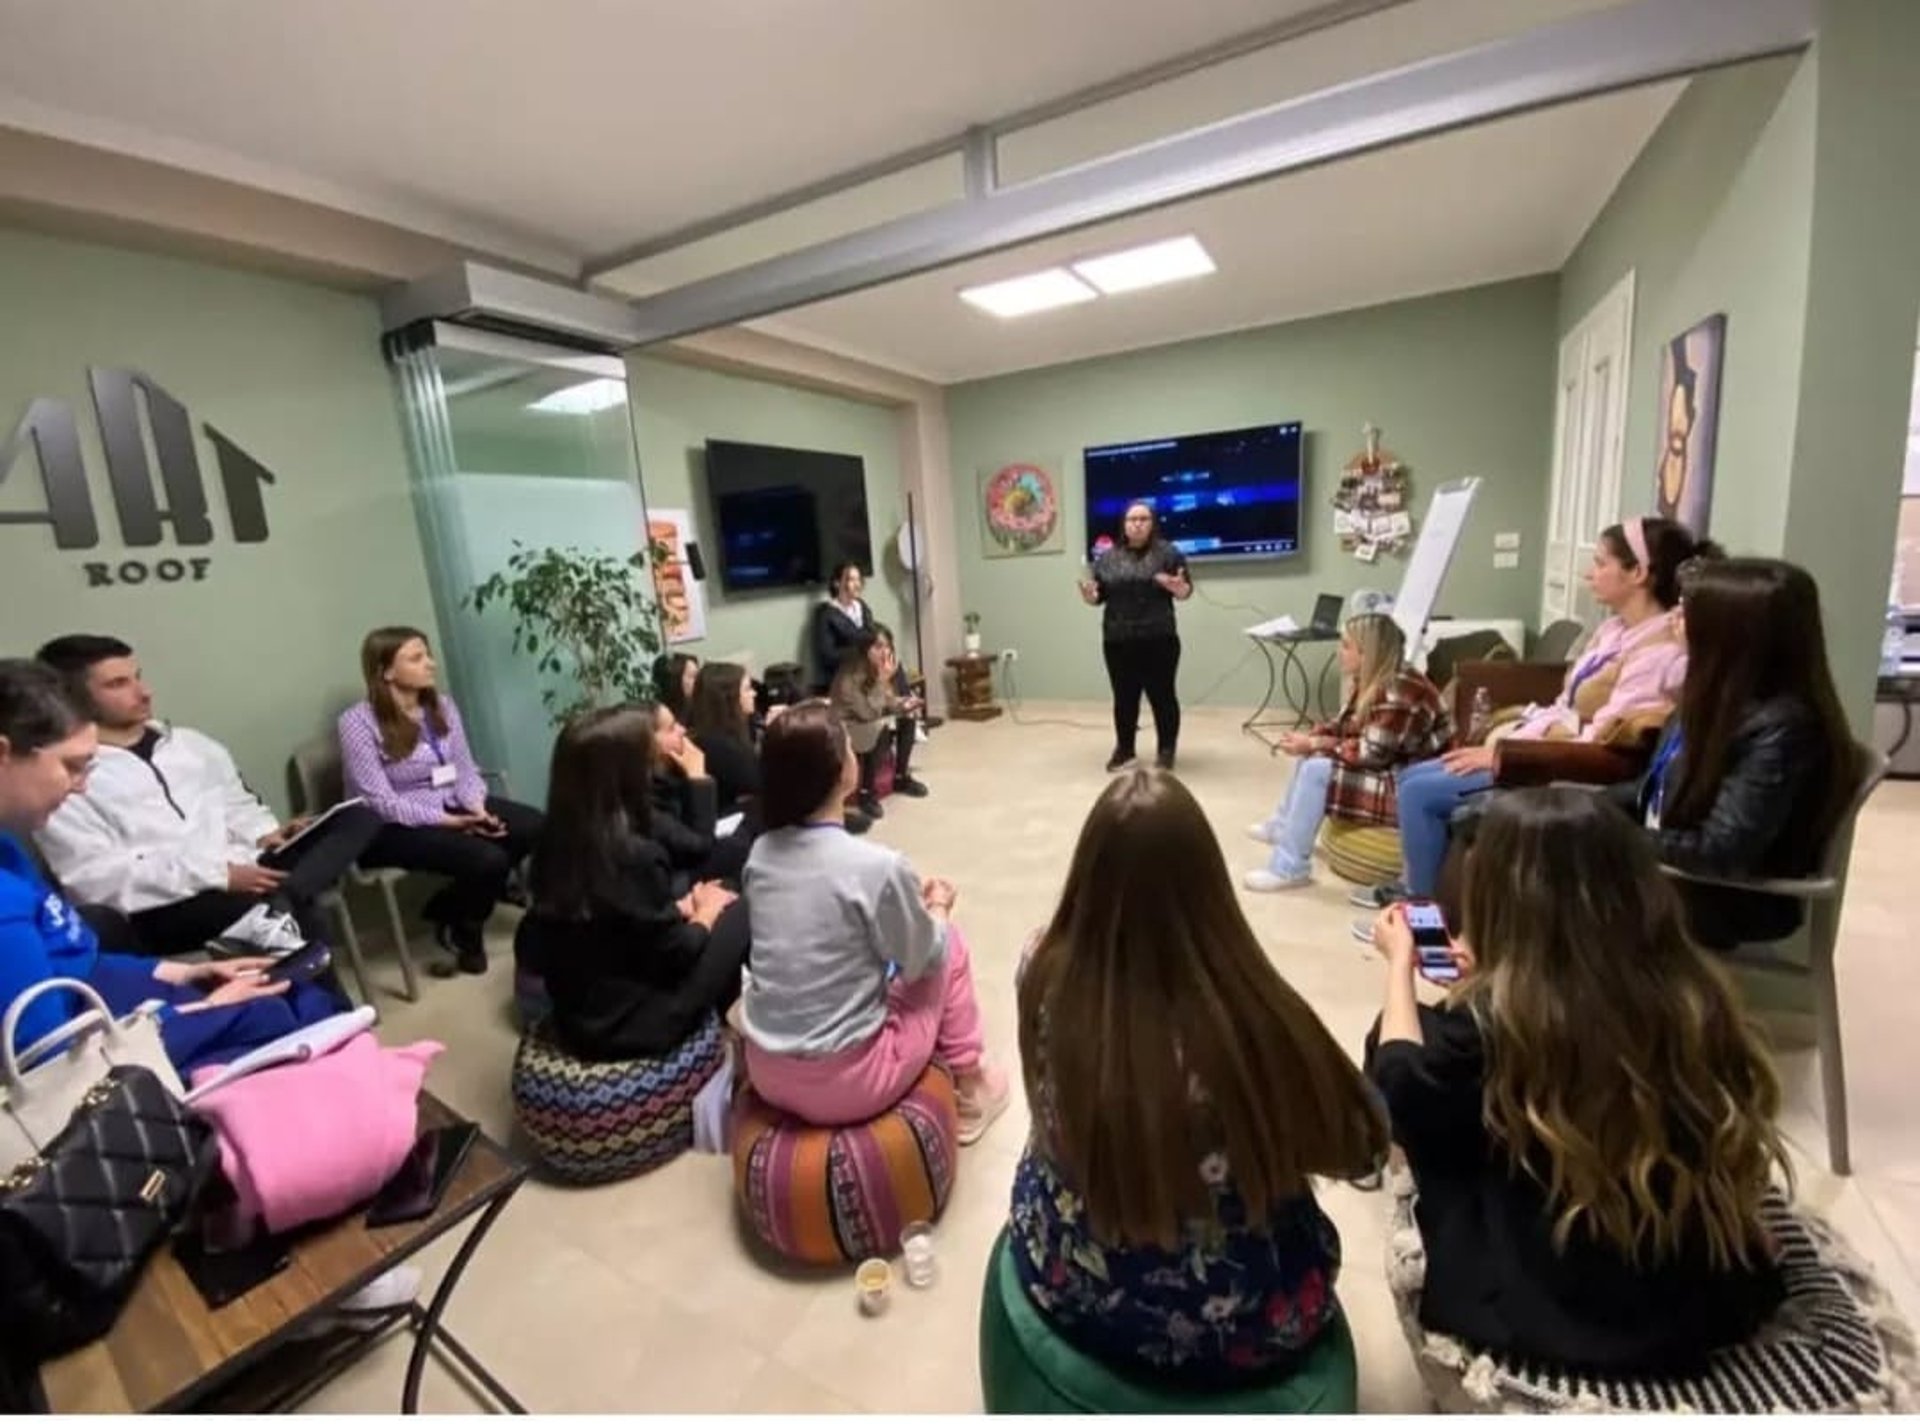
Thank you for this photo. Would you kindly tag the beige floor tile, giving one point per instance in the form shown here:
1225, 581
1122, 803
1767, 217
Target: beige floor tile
644, 1296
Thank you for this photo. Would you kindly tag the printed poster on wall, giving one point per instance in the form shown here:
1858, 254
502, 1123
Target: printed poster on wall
683, 603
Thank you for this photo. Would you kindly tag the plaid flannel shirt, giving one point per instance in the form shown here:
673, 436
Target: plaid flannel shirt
1408, 722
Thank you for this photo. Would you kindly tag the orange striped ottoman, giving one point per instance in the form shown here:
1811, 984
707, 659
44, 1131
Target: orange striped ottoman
824, 1195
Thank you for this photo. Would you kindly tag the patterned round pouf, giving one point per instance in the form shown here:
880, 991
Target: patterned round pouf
824, 1195
1366, 855
598, 1122
1837, 1344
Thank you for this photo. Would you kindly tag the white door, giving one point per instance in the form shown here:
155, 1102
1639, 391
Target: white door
1589, 433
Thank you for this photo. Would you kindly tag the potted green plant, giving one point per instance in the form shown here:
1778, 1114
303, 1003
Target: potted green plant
972, 640
588, 621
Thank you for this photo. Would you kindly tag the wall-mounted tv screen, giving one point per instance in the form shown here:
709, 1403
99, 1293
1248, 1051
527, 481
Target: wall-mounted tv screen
1229, 494
786, 517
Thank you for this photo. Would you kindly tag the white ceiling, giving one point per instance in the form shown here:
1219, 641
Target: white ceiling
554, 130
1507, 199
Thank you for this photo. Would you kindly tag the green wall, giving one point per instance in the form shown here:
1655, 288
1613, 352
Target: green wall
264, 651
676, 409
1715, 216
1462, 384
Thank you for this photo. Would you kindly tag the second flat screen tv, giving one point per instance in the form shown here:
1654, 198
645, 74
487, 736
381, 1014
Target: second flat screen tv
1222, 495
786, 517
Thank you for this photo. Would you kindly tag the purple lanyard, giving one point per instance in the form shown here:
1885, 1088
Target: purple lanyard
1588, 667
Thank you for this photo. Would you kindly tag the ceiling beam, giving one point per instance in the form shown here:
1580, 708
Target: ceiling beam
1293, 27
1592, 54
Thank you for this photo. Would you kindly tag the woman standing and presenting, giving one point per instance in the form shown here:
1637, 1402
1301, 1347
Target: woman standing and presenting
1138, 580
404, 752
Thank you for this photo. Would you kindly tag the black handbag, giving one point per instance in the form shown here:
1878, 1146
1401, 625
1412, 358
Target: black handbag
78, 1222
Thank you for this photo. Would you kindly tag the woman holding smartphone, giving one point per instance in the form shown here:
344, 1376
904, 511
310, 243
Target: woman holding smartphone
1136, 583
404, 751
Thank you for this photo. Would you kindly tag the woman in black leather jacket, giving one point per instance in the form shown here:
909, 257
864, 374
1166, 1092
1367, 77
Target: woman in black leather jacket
1753, 775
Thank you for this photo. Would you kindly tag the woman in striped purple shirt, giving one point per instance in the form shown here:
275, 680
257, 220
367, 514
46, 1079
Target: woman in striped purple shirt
405, 753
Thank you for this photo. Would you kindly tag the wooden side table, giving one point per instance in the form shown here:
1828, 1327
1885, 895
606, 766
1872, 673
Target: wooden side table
973, 687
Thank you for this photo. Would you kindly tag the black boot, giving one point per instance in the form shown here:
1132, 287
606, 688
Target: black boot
903, 781
466, 945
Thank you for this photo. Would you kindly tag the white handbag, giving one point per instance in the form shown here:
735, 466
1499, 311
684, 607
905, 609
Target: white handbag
41, 1086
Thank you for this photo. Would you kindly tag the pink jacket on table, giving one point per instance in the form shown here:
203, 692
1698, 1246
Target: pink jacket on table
1622, 675
311, 1140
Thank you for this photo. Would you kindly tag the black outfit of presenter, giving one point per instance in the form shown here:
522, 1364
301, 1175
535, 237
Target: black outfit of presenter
1137, 581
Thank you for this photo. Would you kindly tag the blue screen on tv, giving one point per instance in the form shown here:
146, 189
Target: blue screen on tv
1226, 494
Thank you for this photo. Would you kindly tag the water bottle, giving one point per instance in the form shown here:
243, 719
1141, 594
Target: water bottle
1893, 642
1481, 721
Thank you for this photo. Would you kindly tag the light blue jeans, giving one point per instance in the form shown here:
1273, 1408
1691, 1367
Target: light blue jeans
1295, 826
1429, 794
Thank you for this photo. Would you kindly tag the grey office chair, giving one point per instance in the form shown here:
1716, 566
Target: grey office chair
1821, 894
1557, 641
316, 783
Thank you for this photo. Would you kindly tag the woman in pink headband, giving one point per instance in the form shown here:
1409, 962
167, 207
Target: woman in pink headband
1627, 680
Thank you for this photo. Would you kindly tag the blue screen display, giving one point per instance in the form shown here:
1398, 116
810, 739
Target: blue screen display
1227, 494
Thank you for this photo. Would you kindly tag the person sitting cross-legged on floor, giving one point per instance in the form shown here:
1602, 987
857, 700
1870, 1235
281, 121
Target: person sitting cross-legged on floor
167, 834
632, 971
1588, 1116
405, 751
859, 977
211, 1012
1348, 767
1182, 1094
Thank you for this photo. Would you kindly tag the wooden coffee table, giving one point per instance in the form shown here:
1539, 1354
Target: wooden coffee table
170, 1353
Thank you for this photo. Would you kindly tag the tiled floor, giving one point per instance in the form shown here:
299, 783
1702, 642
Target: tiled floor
643, 1296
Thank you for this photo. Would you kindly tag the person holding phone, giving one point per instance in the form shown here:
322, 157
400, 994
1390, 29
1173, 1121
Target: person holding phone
1588, 1115
1136, 583
876, 717
404, 751
632, 969
211, 1012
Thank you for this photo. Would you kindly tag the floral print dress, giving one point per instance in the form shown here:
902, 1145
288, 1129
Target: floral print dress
1235, 1300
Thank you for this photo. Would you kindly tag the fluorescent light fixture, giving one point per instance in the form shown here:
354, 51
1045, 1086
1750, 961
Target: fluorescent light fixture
1148, 266
587, 398
1038, 291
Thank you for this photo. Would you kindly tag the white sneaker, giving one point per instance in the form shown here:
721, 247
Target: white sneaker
265, 929
1265, 881
1261, 831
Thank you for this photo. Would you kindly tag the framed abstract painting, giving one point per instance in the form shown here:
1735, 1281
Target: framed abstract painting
1689, 423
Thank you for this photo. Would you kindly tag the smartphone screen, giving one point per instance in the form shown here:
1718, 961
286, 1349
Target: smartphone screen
222, 1276
1429, 926
415, 1190
299, 965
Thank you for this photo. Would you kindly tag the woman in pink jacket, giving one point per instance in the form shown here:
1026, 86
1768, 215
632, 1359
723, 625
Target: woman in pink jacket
1630, 671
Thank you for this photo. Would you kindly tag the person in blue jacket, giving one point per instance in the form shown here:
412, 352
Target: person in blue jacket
211, 1012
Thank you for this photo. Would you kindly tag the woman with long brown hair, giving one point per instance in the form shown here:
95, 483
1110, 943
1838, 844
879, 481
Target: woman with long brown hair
878, 717
1589, 1117
1751, 779
632, 970
719, 719
1348, 767
1182, 1095
404, 752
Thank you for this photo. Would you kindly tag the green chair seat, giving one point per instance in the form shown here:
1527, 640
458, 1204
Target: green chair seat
1027, 1367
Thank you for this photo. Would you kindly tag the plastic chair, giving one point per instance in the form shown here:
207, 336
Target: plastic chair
316, 782
1820, 893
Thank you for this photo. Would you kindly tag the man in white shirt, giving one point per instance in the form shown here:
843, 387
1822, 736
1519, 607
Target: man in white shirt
166, 832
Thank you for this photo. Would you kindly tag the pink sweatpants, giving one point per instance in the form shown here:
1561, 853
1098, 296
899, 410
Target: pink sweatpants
935, 1017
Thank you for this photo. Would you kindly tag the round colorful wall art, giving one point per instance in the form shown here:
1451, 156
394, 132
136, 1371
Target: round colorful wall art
1022, 510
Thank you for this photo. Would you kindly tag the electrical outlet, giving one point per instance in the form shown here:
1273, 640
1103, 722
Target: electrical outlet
1506, 541
1011, 655
1506, 561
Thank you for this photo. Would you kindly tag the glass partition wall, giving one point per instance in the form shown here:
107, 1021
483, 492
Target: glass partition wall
509, 442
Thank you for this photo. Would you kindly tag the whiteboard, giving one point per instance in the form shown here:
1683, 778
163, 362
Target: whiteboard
1427, 569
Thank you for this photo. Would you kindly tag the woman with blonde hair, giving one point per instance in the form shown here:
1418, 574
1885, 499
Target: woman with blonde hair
404, 752
1349, 767
1589, 1117
1182, 1096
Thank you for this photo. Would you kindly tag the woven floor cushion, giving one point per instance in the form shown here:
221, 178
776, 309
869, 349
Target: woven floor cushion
599, 1122
1027, 1367
1365, 855
824, 1195
1838, 1344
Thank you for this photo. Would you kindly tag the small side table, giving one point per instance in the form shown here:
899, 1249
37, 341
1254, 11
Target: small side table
973, 687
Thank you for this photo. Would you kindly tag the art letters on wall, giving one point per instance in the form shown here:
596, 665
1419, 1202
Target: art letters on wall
683, 603
1689, 423
1020, 511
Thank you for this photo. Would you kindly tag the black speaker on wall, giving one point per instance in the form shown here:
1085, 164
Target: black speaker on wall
694, 562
